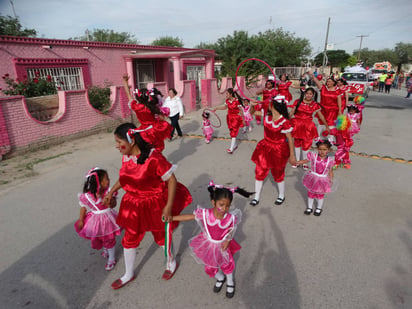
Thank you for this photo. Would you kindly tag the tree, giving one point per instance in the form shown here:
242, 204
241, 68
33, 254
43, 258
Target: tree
168, 41
404, 53
369, 57
12, 26
106, 35
336, 58
275, 47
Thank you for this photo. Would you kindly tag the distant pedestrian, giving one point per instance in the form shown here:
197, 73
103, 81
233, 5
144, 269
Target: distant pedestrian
207, 126
97, 222
382, 80
247, 116
176, 111
215, 245
409, 87
388, 84
319, 179
268, 93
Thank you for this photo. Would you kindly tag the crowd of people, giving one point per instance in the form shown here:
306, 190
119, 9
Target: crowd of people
154, 199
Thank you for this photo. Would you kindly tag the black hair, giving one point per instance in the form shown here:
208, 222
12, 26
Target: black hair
281, 107
342, 80
270, 81
157, 92
173, 90
206, 114
145, 147
287, 77
353, 107
302, 96
217, 194
332, 79
324, 142
233, 93
149, 99
92, 182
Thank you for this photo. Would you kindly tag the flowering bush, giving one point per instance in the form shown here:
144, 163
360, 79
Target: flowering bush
99, 97
30, 87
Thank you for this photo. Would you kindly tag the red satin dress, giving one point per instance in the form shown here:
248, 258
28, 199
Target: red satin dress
284, 90
329, 104
272, 152
161, 128
343, 98
268, 95
233, 118
304, 129
146, 196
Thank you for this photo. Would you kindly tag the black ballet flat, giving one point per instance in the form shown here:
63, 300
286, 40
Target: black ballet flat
230, 294
217, 289
254, 202
308, 211
317, 212
279, 201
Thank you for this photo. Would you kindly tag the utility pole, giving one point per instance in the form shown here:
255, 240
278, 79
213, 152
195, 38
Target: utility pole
12, 6
324, 62
360, 45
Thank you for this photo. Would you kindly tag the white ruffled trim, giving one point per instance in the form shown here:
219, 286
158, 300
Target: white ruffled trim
281, 122
287, 131
169, 173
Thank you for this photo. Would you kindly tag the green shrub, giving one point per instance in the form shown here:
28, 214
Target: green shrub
99, 97
29, 87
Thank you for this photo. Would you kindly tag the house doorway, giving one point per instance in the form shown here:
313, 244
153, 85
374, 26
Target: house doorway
145, 73
196, 73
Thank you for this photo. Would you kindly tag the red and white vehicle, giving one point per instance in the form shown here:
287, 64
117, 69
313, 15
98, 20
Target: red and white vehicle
358, 79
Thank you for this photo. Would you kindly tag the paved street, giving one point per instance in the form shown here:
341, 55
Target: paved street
356, 255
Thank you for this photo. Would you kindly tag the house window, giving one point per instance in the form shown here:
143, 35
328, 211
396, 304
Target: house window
144, 73
66, 78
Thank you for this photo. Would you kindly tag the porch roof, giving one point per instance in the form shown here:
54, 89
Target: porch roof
170, 54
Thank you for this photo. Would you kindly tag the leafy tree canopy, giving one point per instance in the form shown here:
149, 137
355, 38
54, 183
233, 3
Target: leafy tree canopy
108, 36
12, 26
336, 58
168, 41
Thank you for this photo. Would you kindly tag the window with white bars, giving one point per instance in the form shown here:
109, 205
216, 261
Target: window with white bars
70, 78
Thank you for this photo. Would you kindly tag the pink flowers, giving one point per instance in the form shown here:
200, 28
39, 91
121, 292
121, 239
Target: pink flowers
29, 87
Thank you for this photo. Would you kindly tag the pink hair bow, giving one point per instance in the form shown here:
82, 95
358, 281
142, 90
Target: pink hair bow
93, 172
231, 189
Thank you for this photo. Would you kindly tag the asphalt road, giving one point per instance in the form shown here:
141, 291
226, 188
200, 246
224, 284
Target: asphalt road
356, 255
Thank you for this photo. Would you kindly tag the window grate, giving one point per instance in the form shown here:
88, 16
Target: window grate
70, 78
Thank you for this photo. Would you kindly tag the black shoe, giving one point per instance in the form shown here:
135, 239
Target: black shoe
217, 289
317, 212
308, 211
279, 201
254, 202
230, 294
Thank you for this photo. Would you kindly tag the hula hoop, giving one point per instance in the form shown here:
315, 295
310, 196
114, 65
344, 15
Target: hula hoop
250, 59
216, 116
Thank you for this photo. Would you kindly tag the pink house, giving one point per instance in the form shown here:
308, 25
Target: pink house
78, 65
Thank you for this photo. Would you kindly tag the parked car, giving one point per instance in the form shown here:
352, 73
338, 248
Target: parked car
359, 84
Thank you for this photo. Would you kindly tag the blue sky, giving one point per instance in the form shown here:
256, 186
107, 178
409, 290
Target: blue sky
384, 22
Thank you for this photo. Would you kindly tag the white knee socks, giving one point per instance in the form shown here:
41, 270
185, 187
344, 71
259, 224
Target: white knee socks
281, 188
219, 275
258, 189
320, 203
233, 143
304, 154
310, 203
297, 153
230, 282
111, 252
129, 257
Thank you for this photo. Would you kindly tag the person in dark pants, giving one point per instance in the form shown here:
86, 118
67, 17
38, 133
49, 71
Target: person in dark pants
174, 103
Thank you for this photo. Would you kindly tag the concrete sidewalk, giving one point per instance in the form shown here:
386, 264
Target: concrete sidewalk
356, 255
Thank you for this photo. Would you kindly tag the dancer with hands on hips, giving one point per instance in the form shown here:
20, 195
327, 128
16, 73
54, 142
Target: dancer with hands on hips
152, 196
275, 149
97, 222
319, 179
214, 246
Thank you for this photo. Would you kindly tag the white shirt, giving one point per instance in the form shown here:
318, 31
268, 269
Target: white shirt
175, 105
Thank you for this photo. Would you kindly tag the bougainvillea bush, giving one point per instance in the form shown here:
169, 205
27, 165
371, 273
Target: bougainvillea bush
30, 87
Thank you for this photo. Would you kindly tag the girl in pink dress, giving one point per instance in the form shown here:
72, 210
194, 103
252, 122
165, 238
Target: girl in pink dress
145, 104
97, 222
152, 196
319, 179
273, 152
304, 129
247, 116
207, 127
214, 246
234, 118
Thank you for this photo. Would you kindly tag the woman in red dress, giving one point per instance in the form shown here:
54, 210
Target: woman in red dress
274, 150
152, 196
268, 94
304, 129
344, 89
330, 103
234, 118
146, 106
